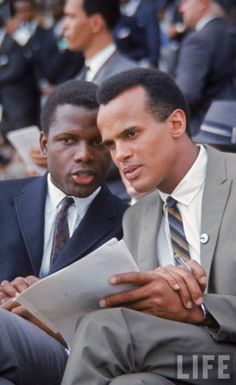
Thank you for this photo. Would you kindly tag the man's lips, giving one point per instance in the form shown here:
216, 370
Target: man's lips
83, 176
132, 172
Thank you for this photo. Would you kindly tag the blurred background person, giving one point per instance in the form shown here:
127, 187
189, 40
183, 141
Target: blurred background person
173, 31
18, 105
206, 64
137, 33
56, 63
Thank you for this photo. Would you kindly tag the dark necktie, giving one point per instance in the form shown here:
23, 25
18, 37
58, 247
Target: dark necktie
61, 230
177, 234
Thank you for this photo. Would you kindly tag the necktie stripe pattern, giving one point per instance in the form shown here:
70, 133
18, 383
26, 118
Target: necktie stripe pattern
61, 230
178, 238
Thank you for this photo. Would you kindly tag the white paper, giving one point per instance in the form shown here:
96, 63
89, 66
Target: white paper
62, 298
23, 140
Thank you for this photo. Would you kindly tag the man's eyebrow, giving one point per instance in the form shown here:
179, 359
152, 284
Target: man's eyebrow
120, 135
107, 142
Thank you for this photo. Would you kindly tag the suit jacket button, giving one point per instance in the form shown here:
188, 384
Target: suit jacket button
204, 238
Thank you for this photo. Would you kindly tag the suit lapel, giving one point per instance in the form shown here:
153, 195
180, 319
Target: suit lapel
98, 221
30, 208
147, 250
82, 74
106, 68
215, 197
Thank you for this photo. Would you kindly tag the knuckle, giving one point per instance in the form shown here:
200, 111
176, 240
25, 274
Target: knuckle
4, 283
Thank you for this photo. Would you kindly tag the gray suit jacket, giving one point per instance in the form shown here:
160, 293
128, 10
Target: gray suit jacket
141, 225
115, 64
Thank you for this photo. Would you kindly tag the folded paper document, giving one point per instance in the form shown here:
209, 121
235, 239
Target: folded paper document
24, 139
62, 298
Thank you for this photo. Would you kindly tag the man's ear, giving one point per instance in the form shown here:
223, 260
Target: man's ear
206, 4
97, 23
43, 140
177, 121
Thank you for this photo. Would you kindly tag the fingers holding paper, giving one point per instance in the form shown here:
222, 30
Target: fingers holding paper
10, 289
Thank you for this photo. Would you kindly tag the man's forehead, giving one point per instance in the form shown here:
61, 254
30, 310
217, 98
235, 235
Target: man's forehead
75, 4
125, 100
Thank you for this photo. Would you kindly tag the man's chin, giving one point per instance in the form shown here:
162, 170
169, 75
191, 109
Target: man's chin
72, 47
143, 188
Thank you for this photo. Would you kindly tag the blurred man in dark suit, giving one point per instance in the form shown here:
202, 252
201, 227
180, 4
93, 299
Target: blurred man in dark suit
16, 89
206, 68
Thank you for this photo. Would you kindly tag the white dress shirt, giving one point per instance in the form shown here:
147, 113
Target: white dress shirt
188, 194
76, 212
95, 63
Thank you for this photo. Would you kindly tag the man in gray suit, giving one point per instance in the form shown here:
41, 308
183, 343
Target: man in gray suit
88, 27
178, 325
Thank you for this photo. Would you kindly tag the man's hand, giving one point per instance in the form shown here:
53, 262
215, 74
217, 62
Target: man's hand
153, 295
190, 284
9, 290
37, 157
8, 294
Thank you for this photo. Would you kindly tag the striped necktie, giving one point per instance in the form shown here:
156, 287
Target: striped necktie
61, 230
177, 234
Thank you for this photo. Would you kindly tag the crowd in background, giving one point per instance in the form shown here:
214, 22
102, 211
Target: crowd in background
34, 58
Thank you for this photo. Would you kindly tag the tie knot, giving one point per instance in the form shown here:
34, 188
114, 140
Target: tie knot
66, 203
171, 202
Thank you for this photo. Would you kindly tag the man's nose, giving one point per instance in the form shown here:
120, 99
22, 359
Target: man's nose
64, 24
122, 152
83, 152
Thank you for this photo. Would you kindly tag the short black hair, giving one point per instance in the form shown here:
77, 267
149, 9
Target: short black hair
75, 92
108, 9
163, 95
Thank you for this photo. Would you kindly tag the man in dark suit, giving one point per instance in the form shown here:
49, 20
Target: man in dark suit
16, 90
206, 67
77, 164
57, 63
137, 33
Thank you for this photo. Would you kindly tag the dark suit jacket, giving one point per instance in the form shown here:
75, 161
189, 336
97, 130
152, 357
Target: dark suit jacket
206, 68
22, 209
16, 90
57, 65
138, 36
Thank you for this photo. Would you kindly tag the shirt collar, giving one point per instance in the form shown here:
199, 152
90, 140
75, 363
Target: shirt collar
55, 196
204, 21
97, 61
192, 181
